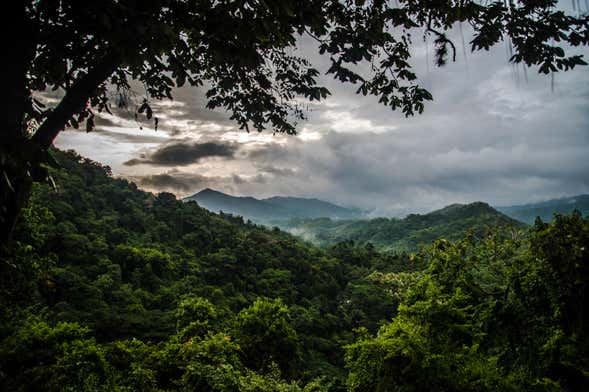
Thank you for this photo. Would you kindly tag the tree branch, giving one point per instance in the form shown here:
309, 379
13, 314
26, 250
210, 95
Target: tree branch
75, 99
443, 38
314, 36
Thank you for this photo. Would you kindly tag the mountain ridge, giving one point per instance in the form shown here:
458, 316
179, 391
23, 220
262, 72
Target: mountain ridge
546, 209
406, 234
272, 209
282, 211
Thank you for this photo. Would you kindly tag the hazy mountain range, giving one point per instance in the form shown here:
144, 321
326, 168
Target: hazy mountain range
528, 212
275, 210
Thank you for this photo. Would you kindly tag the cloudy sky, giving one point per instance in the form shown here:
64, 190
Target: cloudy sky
494, 133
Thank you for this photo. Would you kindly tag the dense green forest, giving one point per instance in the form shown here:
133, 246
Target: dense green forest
108, 288
408, 234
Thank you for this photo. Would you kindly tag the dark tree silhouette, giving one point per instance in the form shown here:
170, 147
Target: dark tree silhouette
242, 50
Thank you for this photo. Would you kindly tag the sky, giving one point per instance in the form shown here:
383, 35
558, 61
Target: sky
494, 133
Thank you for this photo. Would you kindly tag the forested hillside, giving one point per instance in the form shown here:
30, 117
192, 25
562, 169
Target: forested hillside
407, 234
108, 288
109, 285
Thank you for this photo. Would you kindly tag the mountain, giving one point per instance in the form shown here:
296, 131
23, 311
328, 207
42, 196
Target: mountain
314, 207
325, 223
272, 209
546, 209
248, 207
407, 234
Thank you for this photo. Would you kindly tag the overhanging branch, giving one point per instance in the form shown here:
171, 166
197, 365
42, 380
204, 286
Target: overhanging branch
75, 99
442, 38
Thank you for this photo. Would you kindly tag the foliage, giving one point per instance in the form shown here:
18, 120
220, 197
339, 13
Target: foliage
265, 334
171, 296
194, 315
108, 288
487, 315
242, 49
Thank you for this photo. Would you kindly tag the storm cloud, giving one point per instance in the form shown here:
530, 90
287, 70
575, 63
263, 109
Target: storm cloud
186, 183
494, 132
184, 153
176, 182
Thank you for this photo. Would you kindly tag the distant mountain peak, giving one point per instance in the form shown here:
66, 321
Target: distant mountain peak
271, 209
208, 191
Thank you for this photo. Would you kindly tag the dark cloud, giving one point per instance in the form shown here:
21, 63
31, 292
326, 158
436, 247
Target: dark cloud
186, 183
177, 182
184, 153
167, 181
237, 179
260, 179
242, 181
492, 133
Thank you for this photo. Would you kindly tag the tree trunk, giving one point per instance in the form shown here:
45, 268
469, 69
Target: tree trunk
12, 202
16, 164
14, 188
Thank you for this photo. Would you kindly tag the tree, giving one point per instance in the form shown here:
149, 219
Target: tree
486, 314
265, 335
194, 315
242, 50
564, 246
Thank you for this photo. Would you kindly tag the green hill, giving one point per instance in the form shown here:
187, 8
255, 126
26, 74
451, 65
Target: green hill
134, 274
408, 234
